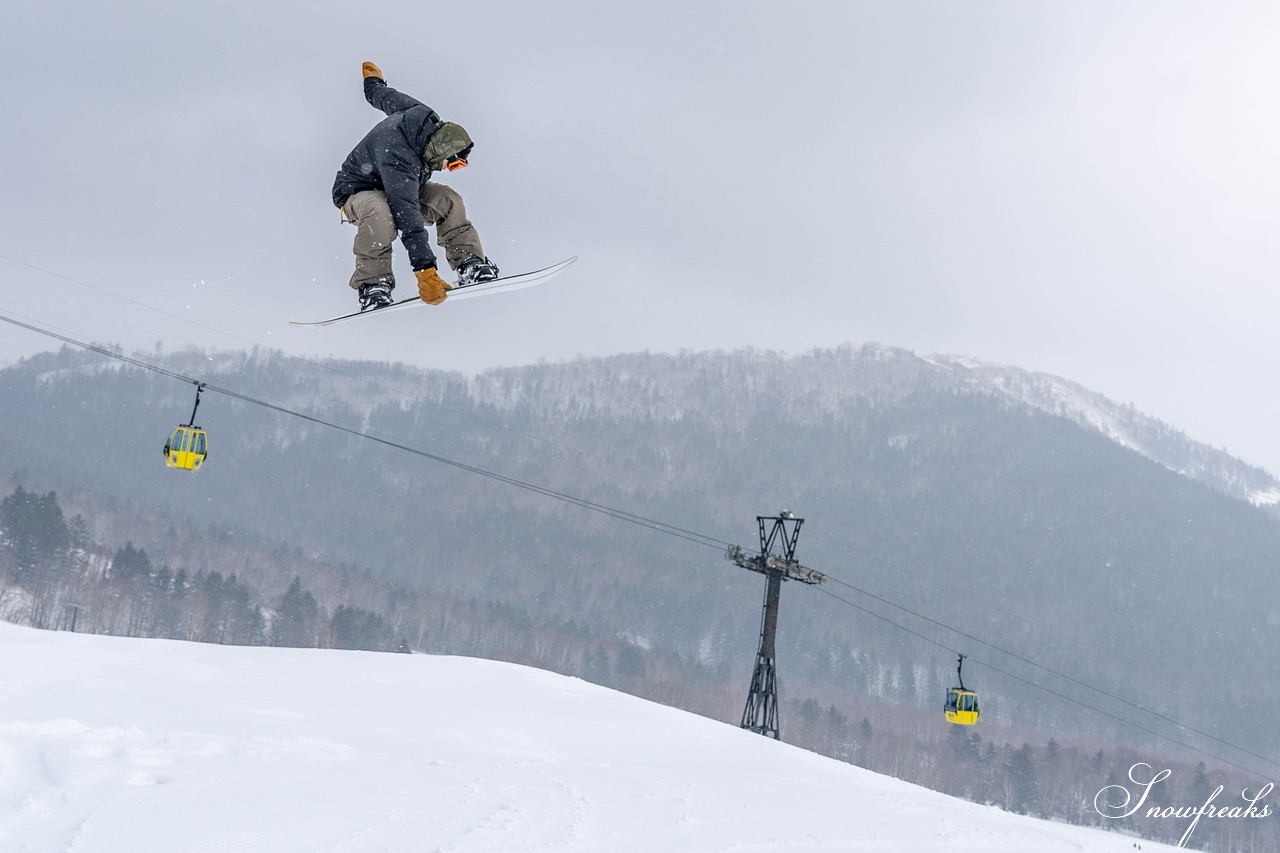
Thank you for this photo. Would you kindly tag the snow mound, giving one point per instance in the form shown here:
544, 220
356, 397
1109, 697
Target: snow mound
108, 744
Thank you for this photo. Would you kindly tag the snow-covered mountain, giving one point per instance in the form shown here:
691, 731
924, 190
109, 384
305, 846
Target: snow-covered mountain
660, 386
1122, 424
154, 746
818, 381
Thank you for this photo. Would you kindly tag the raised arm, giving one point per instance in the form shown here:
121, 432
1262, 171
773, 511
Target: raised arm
382, 96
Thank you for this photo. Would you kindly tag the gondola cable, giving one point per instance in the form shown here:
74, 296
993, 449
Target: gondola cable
681, 533
614, 512
1074, 701
363, 379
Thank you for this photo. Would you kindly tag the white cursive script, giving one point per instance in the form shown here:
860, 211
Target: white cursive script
1123, 808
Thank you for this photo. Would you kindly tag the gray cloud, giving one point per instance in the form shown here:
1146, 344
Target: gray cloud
1085, 189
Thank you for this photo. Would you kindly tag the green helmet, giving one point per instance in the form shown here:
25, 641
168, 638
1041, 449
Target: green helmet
449, 141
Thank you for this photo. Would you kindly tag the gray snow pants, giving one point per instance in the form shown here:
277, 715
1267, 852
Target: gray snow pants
375, 230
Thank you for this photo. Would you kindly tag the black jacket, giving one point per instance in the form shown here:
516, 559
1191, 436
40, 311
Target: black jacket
389, 158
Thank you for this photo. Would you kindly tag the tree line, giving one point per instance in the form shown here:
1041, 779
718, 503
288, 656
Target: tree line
55, 578
917, 486
1070, 783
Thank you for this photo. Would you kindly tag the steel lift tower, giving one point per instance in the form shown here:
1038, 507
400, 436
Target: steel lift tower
777, 562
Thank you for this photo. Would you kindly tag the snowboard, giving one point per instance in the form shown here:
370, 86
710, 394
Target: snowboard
481, 288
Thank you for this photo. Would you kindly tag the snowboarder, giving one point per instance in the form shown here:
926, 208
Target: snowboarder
385, 186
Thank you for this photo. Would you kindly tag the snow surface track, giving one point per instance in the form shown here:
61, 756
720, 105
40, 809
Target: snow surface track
110, 745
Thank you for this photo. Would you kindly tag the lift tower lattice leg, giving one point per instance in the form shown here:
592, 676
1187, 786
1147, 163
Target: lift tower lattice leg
777, 562
761, 713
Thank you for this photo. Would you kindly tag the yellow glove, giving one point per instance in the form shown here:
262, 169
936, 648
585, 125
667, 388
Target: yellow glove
431, 287
371, 70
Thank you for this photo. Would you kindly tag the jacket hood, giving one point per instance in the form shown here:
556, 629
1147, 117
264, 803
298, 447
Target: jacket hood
417, 124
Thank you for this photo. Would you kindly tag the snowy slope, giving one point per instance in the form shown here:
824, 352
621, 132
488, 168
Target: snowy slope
109, 745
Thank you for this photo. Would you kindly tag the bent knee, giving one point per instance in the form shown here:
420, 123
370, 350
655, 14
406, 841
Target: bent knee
439, 199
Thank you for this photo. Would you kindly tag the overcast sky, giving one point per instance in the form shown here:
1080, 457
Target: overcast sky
1083, 188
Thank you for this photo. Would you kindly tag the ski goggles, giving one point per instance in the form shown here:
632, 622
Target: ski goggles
455, 163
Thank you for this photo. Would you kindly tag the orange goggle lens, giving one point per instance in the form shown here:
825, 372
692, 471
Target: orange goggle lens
453, 164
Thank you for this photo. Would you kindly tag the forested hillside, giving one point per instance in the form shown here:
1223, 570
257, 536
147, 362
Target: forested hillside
938, 486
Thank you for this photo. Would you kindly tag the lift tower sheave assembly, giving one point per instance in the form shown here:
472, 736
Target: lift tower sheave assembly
777, 562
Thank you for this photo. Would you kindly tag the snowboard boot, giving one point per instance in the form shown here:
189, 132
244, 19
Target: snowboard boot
475, 270
375, 295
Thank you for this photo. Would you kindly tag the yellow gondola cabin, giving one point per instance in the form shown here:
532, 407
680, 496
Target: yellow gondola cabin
961, 707
188, 444
186, 448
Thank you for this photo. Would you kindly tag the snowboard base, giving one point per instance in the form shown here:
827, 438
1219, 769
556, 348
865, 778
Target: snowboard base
480, 288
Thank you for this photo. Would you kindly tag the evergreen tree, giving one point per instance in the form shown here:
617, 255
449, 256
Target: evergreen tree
987, 775
964, 747
1024, 791
836, 733
354, 628
131, 562
296, 617
595, 665
34, 527
862, 746
630, 662
78, 532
